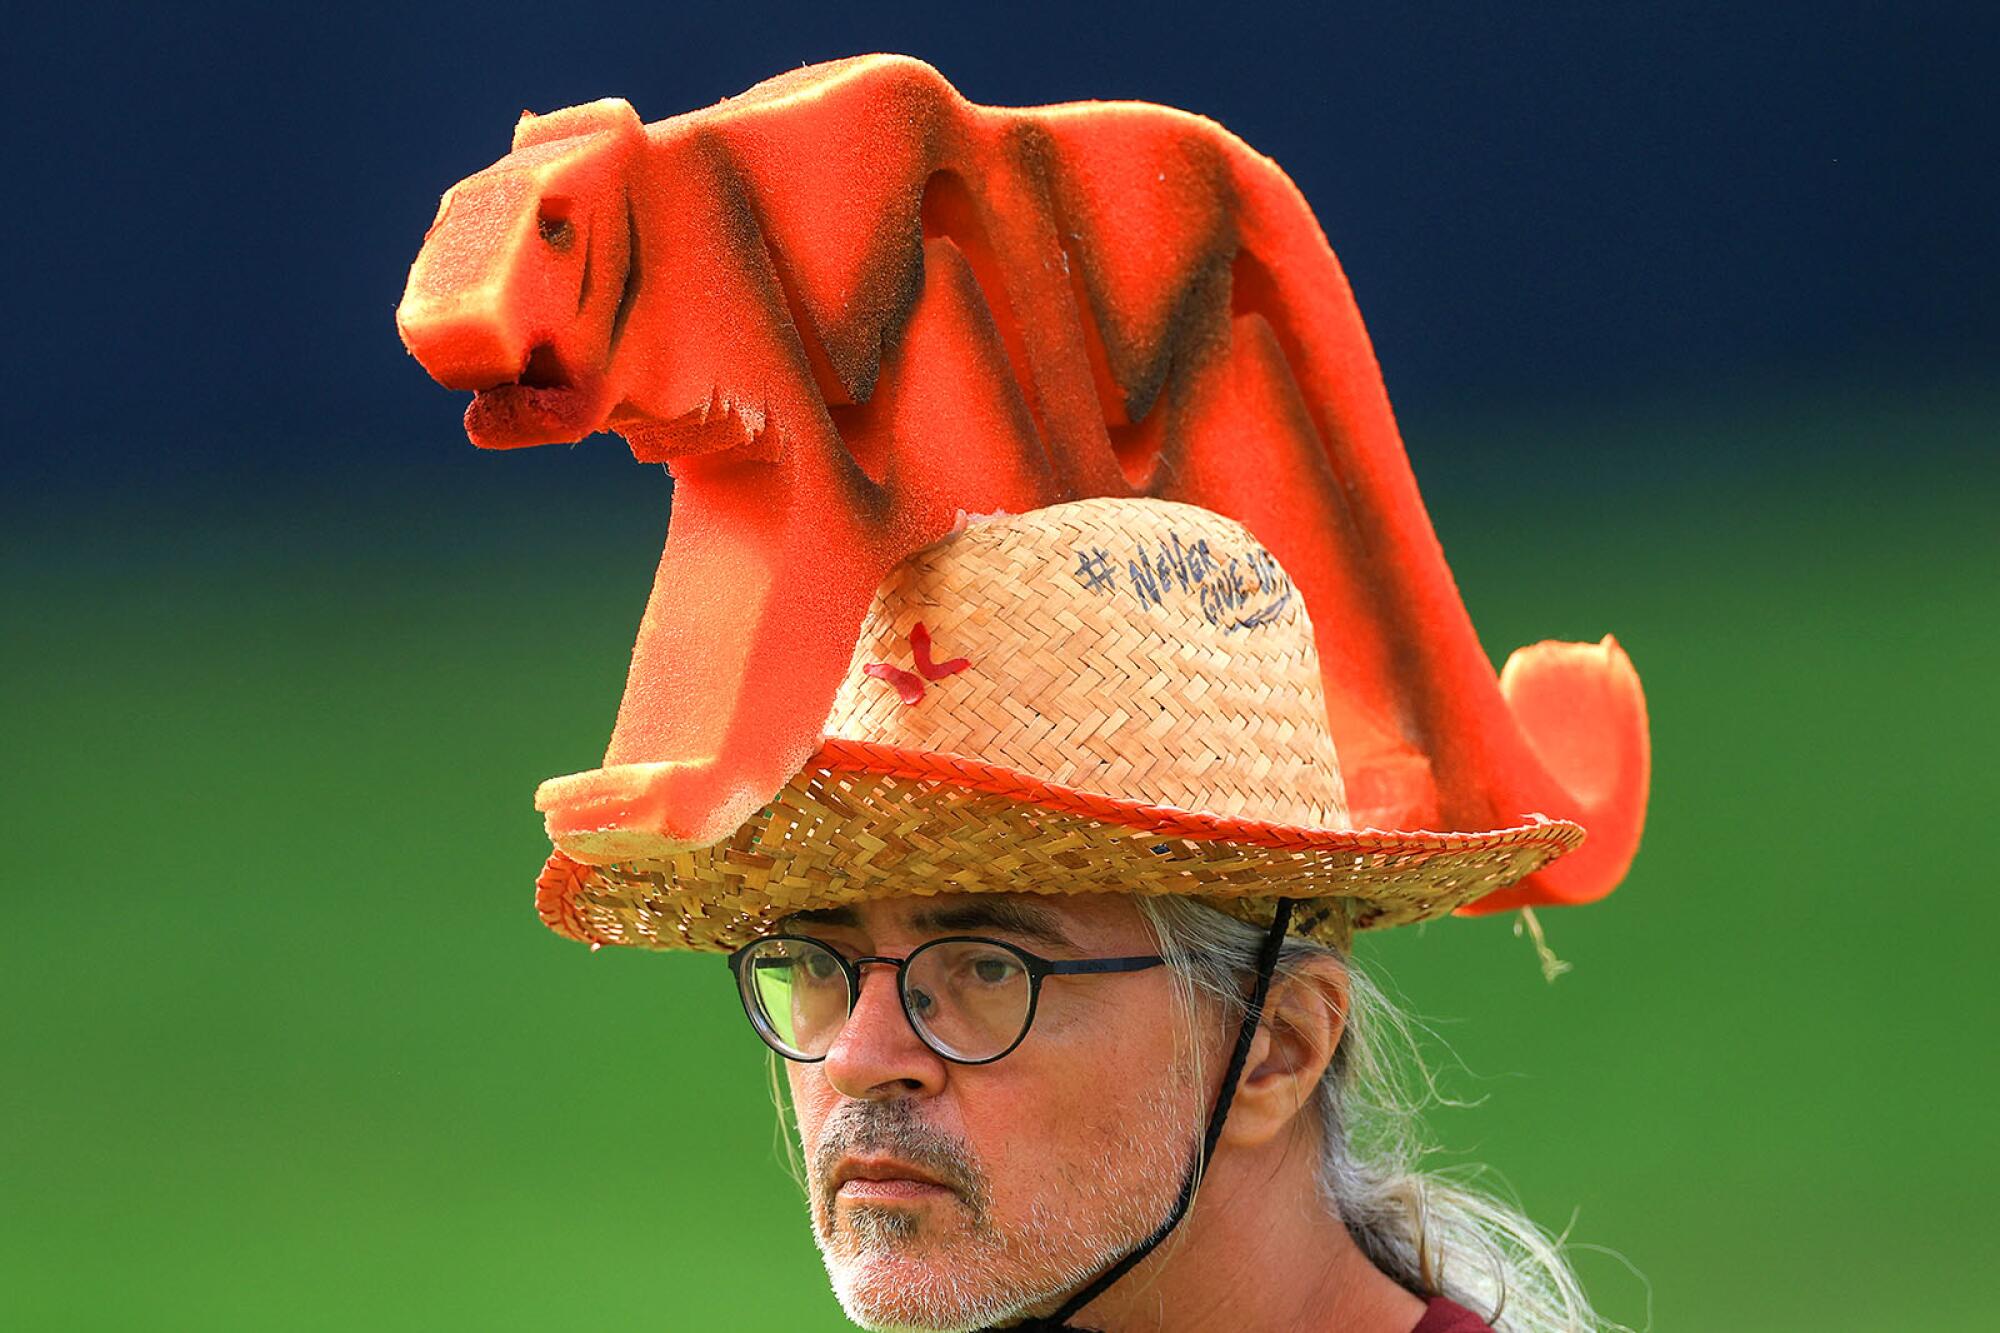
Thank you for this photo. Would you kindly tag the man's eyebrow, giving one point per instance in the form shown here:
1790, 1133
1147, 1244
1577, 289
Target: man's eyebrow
1016, 918
1035, 923
822, 916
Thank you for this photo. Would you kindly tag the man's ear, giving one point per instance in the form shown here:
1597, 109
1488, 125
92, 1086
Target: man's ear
1304, 1017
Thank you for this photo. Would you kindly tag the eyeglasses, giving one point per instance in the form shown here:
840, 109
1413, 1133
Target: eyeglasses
969, 999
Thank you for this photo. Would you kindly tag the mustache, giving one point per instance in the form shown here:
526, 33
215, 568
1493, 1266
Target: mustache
892, 1128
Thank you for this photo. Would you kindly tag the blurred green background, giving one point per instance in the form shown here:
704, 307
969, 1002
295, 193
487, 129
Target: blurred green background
286, 1047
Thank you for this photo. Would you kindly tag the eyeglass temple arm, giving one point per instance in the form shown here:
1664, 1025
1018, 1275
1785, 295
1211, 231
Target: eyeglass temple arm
1138, 963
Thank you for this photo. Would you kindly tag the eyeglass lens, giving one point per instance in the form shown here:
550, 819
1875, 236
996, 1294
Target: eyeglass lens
968, 999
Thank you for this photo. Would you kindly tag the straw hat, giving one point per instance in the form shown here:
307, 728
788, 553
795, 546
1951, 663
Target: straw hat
1114, 695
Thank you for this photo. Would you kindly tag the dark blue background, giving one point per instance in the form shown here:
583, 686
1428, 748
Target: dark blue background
1608, 202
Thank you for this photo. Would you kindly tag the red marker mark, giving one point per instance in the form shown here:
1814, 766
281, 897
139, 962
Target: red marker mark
920, 648
907, 685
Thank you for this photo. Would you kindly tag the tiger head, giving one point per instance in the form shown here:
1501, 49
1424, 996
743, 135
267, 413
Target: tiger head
527, 276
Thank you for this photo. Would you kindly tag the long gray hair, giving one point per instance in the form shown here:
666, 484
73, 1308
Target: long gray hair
1433, 1235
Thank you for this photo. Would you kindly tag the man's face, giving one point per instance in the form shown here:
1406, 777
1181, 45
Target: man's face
947, 1196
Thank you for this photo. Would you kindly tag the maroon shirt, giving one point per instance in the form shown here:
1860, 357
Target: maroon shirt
1443, 1316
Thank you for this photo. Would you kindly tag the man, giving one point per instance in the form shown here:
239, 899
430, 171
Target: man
949, 1196
978, 714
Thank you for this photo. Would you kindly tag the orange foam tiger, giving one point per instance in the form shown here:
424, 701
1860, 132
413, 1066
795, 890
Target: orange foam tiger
848, 303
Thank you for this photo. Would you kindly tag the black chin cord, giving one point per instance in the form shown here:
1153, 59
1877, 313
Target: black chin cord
1267, 962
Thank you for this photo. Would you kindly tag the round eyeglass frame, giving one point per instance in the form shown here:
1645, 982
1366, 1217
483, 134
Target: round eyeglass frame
1036, 966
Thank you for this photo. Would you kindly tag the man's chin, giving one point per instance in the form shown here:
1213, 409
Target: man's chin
936, 1278
885, 1264
907, 1294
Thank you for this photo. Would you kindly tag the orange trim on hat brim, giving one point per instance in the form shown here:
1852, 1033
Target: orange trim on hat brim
839, 753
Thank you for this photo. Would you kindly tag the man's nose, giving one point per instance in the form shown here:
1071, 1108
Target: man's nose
877, 1055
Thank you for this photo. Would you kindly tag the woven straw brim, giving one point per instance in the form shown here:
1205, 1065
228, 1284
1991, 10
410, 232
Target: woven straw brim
864, 822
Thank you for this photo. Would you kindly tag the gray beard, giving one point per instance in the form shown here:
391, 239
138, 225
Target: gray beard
991, 1275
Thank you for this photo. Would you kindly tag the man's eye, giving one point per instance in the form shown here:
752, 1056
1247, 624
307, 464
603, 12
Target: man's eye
820, 967
994, 970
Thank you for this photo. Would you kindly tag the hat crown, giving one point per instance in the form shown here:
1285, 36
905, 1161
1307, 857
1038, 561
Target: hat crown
1138, 648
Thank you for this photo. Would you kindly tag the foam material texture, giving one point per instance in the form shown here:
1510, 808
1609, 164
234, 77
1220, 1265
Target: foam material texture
848, 303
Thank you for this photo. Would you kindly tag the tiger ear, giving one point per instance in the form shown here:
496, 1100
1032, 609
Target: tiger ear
613, 114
